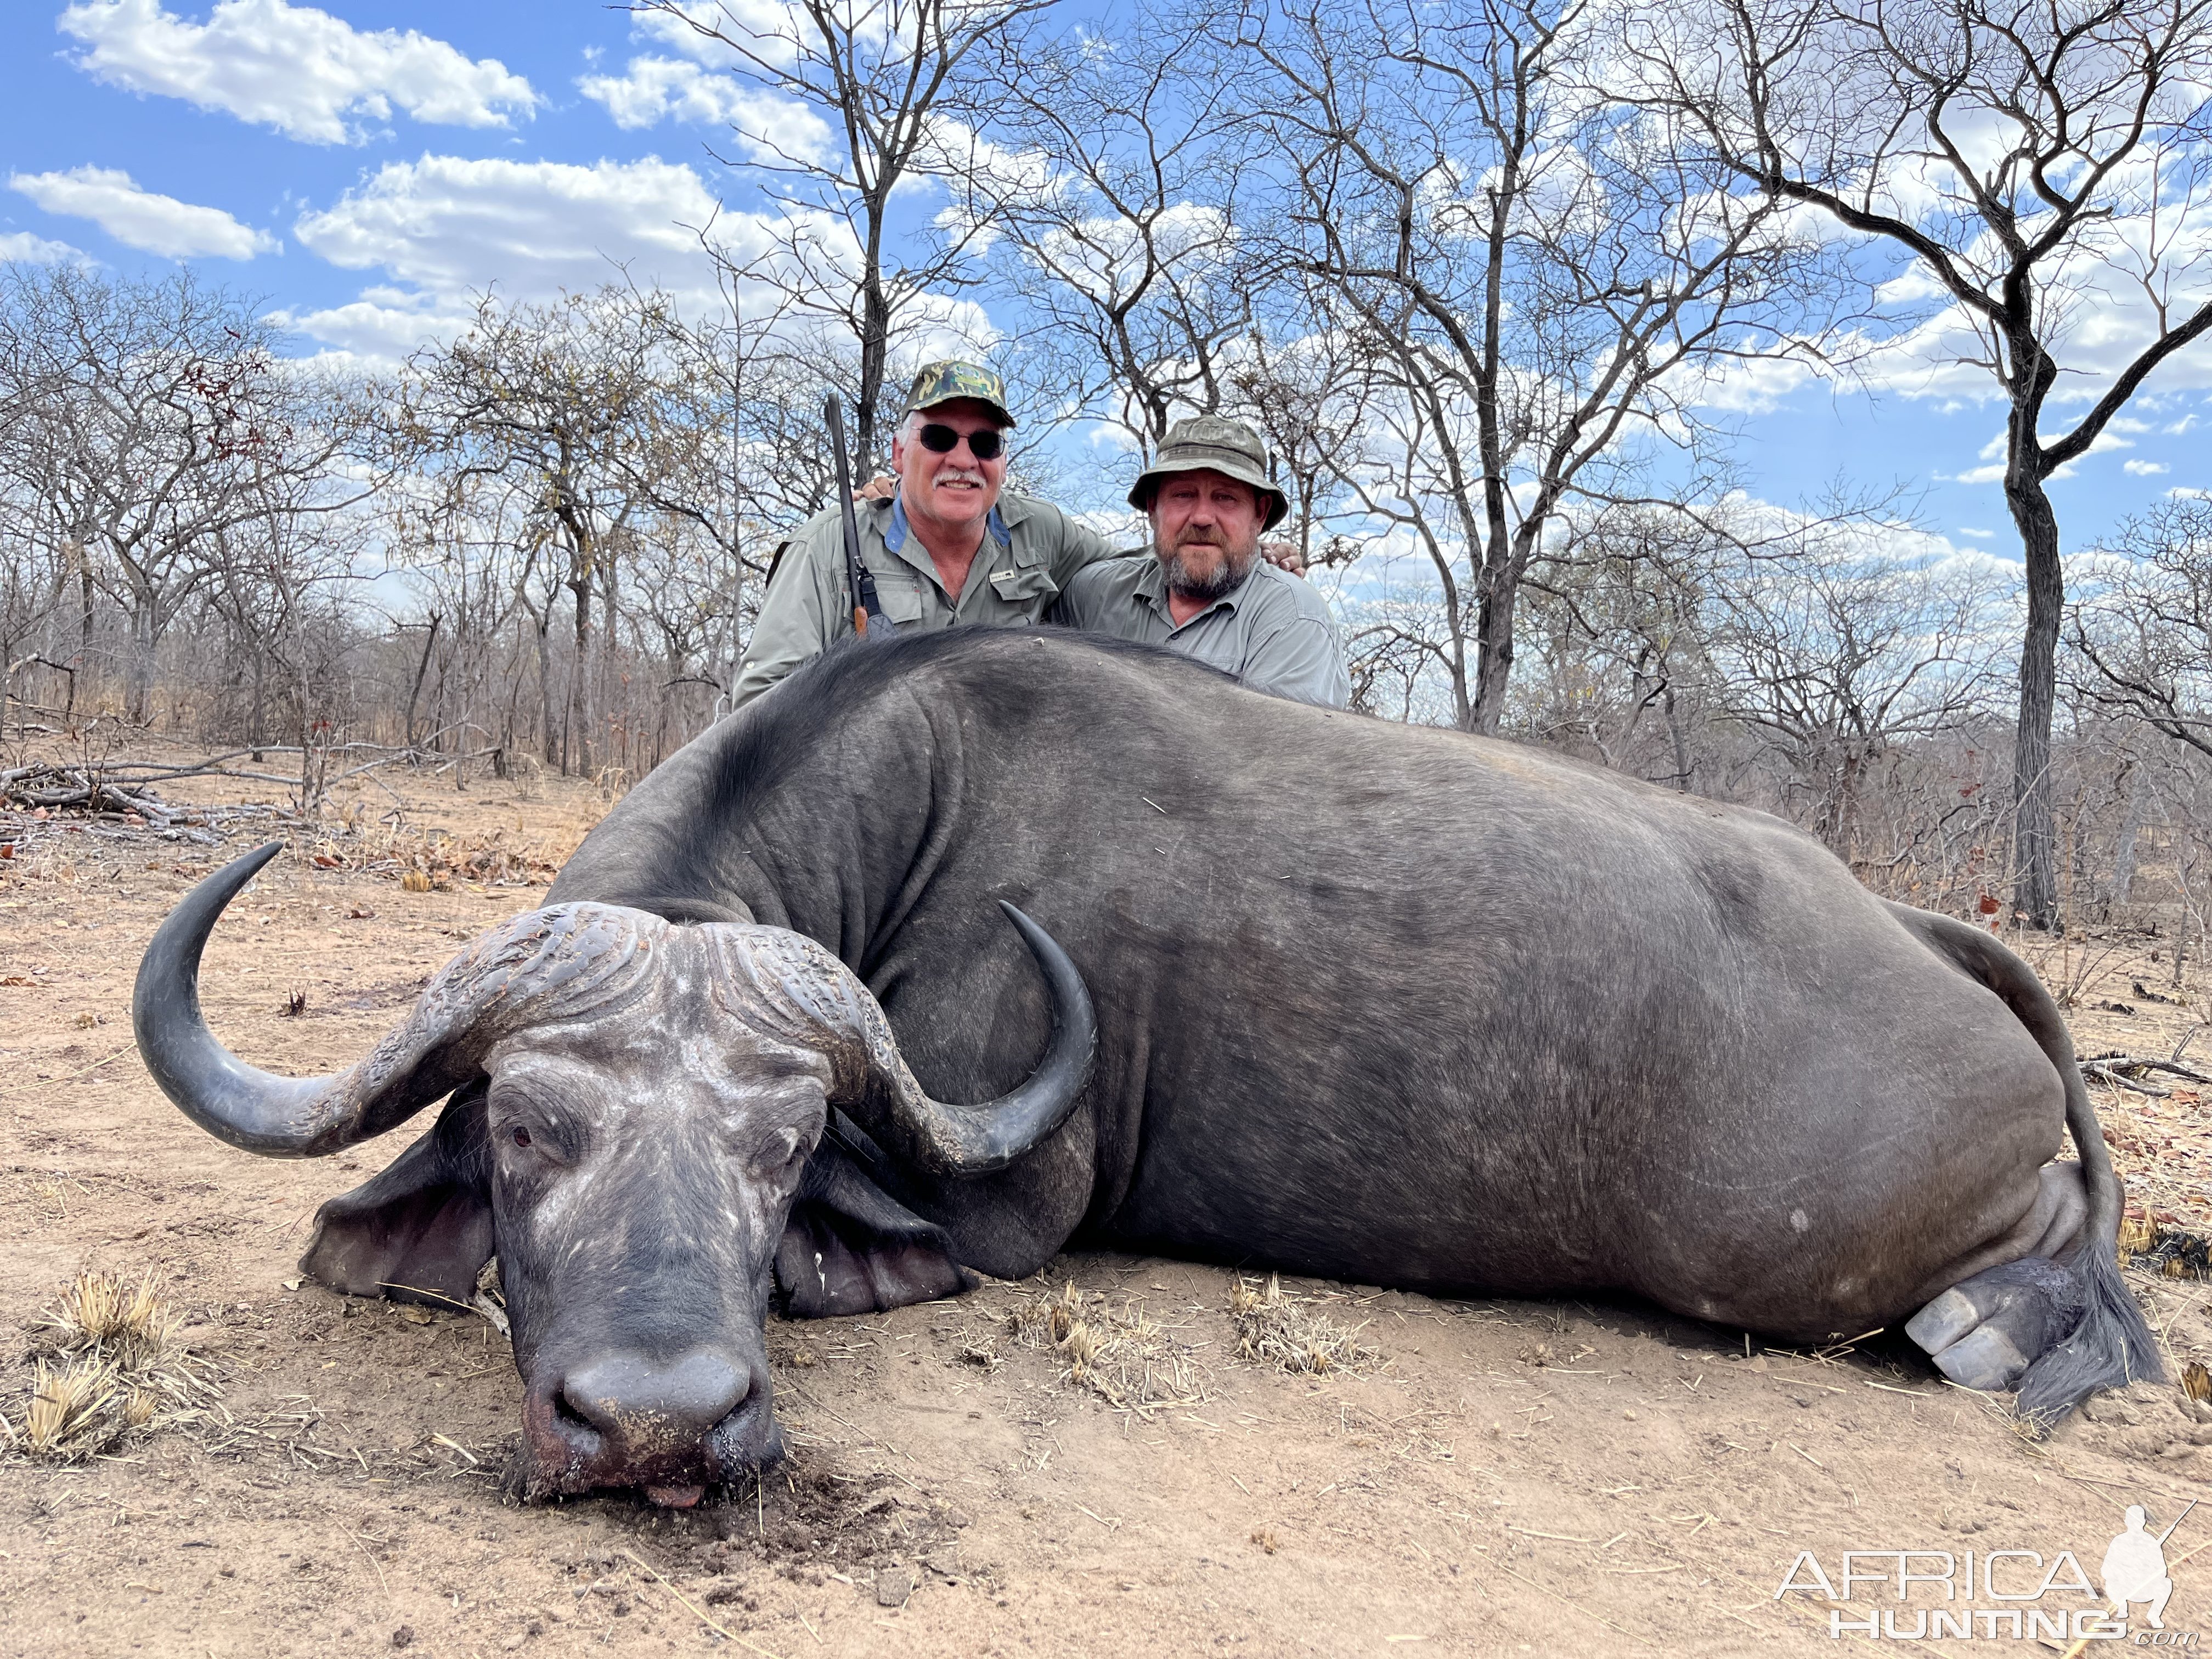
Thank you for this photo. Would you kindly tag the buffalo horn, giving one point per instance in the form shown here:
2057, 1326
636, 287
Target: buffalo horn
974, 1140
540, 965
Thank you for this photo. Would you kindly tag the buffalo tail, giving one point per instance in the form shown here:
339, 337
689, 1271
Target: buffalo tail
2111, 1345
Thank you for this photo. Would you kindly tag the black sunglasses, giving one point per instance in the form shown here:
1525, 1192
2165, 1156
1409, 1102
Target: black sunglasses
984, 446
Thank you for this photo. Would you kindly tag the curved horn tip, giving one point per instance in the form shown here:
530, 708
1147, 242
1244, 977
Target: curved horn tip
1029, 929
989, 1137
242, 870
249, 1108
183, 932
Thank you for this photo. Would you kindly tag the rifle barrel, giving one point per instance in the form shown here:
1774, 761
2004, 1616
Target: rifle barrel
865, 608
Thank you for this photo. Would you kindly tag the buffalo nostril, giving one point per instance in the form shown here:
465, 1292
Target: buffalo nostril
646, 1405
566, 1411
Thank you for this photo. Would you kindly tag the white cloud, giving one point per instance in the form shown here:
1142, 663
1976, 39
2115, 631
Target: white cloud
1755, 386
21, 245
764, 27
382, 327
2181, 426
2145, 469
302, 71
139, 218
442, 229
651, 90
1978, 535
449, 224
1993, 452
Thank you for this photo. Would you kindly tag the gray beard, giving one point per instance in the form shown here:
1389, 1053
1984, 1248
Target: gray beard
1224, 578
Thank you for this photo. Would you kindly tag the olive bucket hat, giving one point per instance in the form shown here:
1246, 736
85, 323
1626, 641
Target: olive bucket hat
945, 382
1213, 443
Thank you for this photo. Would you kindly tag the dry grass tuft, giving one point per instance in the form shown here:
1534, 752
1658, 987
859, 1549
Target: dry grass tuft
126, 1319
109, 1361
1295, 1332
2162, 1248
75, 1410
1127, 1357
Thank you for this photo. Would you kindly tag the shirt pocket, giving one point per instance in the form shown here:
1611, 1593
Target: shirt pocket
902, 598
1024, 587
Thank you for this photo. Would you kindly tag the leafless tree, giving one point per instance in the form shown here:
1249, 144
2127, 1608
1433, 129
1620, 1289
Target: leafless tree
1115, 182
1840, 656
2039, 161
885, 89
150, 418
559, 399
2145, 631
1621, 626
1540, 285
277, 586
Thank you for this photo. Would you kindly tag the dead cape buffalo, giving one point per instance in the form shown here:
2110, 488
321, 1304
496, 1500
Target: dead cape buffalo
1372, 1002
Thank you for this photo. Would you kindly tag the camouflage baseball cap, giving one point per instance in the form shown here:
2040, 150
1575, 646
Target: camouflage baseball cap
1213, 443
940, 383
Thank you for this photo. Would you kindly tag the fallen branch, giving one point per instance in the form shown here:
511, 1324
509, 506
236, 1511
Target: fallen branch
2128, 1071
2096, 1073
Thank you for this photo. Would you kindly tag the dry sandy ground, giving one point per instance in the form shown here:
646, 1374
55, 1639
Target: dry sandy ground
1508, 1477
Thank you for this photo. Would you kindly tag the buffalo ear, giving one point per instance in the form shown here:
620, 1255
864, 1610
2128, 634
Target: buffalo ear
421, 1232
849, 1247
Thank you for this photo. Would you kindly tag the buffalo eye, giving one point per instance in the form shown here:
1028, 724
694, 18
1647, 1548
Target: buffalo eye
521, 1135
784, 1151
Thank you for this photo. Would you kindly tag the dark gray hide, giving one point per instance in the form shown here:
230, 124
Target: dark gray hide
1397, 1004
1374, 1002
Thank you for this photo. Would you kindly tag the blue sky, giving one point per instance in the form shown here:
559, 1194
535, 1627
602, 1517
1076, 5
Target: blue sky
365, 167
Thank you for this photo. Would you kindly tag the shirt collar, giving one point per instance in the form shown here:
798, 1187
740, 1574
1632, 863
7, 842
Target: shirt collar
894, 532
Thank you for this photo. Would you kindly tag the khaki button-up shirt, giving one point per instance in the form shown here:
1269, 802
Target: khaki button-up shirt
1031, 550
1273, 631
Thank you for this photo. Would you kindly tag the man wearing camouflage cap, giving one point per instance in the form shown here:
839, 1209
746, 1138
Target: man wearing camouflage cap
947, 549
1204, 590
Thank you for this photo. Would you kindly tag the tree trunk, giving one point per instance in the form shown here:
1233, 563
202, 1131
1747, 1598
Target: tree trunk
2123, 855
253, 725
138, 673
541, 622
1684, 765
81, 564
1500, 577
875, 335
577, 723
422, 668
2035, 889
1493, 650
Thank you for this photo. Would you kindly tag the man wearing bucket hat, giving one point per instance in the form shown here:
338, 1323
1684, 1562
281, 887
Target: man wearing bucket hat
1204, 590
947, 549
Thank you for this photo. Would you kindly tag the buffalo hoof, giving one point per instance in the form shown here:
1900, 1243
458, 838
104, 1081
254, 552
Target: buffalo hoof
1984, 1331
1984, 1358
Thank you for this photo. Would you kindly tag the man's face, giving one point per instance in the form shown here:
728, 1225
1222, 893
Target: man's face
1206, 530
953, 489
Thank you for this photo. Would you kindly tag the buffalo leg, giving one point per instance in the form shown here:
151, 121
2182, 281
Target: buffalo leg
1984, 1331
